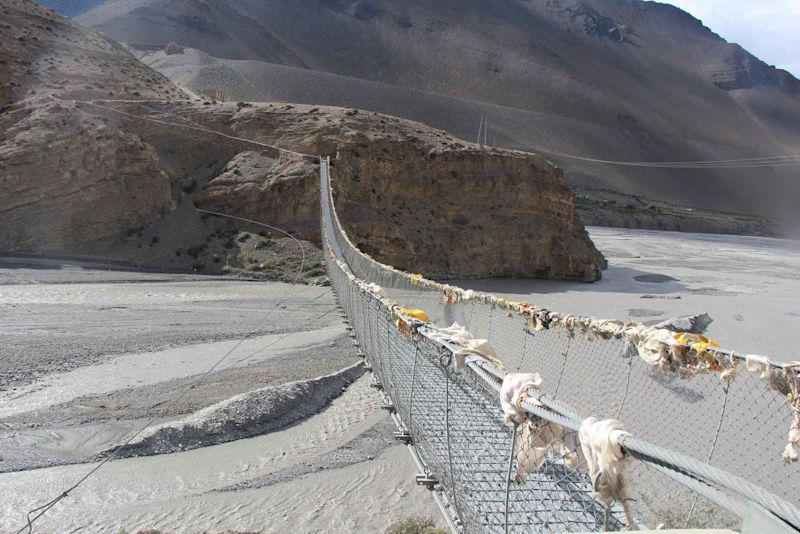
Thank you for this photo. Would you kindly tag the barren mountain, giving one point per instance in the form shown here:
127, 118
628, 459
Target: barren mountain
100, 156
67, 177
608, 79
46, 54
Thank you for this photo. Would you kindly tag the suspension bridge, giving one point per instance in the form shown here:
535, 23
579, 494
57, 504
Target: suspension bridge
707, 442
710, 435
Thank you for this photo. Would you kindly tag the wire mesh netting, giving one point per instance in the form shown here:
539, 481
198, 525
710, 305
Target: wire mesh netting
495, 477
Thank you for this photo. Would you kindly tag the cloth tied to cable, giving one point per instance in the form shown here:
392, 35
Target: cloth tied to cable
455, 334
785, 379
536, 436
759, 365
467, 346
791, 374
376, 290
697, 342
476, 347
653, 344
517, 388
603, 452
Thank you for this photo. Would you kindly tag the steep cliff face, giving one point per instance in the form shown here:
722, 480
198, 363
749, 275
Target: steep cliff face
410, 195
462, 213
284, 193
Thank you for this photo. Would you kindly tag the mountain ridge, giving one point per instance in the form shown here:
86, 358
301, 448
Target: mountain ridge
102, 157
619, 80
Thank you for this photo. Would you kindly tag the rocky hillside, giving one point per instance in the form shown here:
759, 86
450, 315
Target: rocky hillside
410, 195
611, 79
492, 207
66, 176
115, 164
45, 54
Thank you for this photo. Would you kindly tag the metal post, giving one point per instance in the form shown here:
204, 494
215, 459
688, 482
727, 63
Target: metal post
508, 474
447, 438
413, 385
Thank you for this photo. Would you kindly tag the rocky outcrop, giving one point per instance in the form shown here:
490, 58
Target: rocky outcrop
581, 16
409, 195
71, 183
253, 185
462, 213
732, 67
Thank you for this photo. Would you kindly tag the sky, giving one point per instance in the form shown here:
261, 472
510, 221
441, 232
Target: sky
769, 29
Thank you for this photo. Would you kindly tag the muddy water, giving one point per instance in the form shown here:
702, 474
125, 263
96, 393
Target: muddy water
137, 370
750, 286
88, 355
181, 492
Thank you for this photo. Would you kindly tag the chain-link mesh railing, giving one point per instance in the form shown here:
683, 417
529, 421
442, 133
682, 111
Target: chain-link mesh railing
720, 429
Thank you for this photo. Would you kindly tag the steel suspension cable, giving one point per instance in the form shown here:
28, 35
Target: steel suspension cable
745, 163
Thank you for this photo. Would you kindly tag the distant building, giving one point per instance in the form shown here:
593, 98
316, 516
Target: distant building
215, 94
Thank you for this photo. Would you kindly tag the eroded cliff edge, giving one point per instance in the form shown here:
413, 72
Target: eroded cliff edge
462, 212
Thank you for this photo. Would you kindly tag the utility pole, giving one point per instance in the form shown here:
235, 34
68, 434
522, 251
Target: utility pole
485, 129
480, 128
